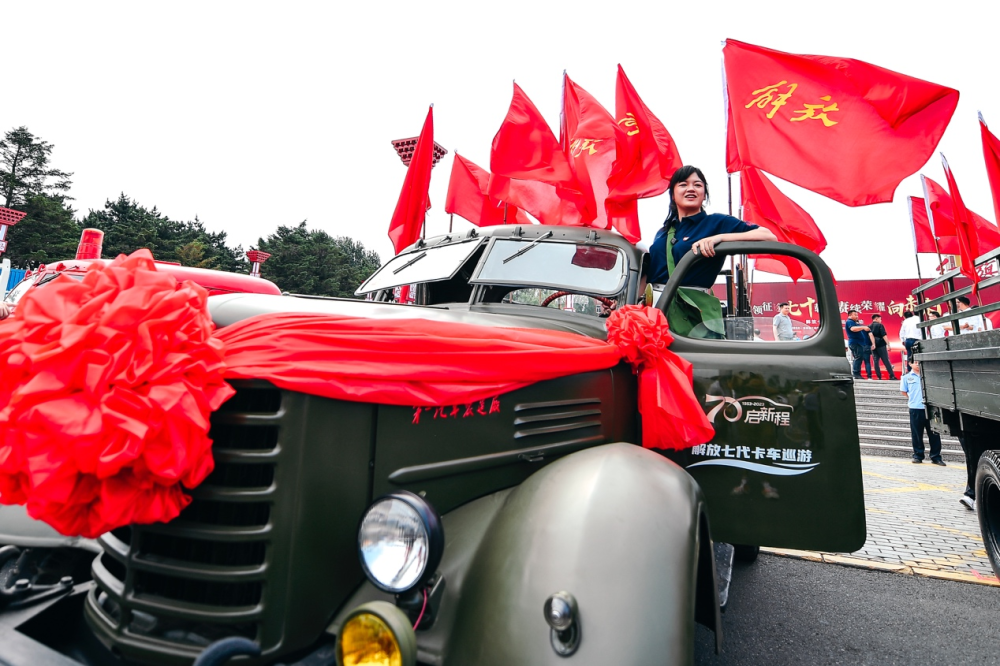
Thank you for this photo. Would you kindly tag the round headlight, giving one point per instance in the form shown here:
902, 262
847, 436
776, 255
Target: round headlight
376, 634
400, 542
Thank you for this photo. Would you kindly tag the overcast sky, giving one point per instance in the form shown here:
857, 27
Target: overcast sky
250, 115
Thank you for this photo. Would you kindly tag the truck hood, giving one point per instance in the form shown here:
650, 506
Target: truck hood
231, 308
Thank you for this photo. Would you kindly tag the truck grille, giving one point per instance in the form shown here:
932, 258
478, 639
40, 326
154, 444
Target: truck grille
205, 574
267, 549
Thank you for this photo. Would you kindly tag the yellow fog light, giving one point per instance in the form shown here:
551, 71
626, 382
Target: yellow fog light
376, 634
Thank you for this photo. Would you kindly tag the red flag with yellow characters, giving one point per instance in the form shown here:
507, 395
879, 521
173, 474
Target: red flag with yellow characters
841, 127
646, 158
589, 143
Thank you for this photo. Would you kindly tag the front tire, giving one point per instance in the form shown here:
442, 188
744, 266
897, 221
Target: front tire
988, 505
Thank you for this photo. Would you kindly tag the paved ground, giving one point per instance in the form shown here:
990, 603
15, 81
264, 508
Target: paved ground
915, 524
784, 611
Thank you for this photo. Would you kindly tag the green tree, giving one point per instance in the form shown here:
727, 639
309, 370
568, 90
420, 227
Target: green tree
128, 226
48, 233
309, 261
25, 171
193, 254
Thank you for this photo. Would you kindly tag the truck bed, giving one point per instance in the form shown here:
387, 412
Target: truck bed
962, 373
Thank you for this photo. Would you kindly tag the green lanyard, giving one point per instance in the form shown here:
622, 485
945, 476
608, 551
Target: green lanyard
671, 233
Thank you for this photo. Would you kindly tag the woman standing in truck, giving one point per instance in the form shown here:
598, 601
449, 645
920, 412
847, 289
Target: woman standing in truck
695, 311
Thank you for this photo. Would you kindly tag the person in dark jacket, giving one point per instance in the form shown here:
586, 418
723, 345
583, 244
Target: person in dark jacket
859, 342
880, 352
695, 311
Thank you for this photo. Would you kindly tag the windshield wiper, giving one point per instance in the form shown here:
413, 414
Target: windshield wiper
528, 247
410, 262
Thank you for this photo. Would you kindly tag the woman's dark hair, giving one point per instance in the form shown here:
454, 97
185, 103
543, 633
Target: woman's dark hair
680, 176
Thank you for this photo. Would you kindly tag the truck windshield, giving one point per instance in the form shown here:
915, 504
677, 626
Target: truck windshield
22, 287
428, 265
19, 290
584, 268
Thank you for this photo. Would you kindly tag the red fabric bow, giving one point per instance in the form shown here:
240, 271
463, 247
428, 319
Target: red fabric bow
672, 418
109, 383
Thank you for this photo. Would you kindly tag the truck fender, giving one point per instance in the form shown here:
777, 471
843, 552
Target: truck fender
617, 527
622, 529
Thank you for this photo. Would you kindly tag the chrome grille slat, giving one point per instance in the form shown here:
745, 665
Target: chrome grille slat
200, 572
208, 492
200, 612
201, 531
246, 456
248, 419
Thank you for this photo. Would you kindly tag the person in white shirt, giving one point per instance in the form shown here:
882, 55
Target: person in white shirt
909, 334
937, 330
972, 324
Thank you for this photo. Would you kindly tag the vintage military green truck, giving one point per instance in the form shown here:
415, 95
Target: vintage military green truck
961, 377
533, 531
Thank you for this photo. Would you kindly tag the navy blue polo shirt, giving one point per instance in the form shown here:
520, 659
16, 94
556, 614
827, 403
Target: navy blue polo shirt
859, 338
690, 230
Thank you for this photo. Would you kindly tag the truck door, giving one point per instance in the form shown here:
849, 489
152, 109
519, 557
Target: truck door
784, 467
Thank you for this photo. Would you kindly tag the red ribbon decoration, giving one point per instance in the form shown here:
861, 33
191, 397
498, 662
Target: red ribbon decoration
109, 383
672, 417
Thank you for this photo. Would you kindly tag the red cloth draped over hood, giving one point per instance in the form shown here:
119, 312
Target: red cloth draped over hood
110, 383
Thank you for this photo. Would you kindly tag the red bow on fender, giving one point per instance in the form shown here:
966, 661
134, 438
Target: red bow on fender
109, 383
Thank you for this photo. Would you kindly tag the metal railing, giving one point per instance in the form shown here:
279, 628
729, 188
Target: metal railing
951, 295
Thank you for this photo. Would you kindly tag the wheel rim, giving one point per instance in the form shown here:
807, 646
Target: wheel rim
990, 510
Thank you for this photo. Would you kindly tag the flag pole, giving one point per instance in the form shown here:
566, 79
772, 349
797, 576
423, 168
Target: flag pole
505, 212
979, 299
729, 182
451, 222
913, 229
562, 114
423, 226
